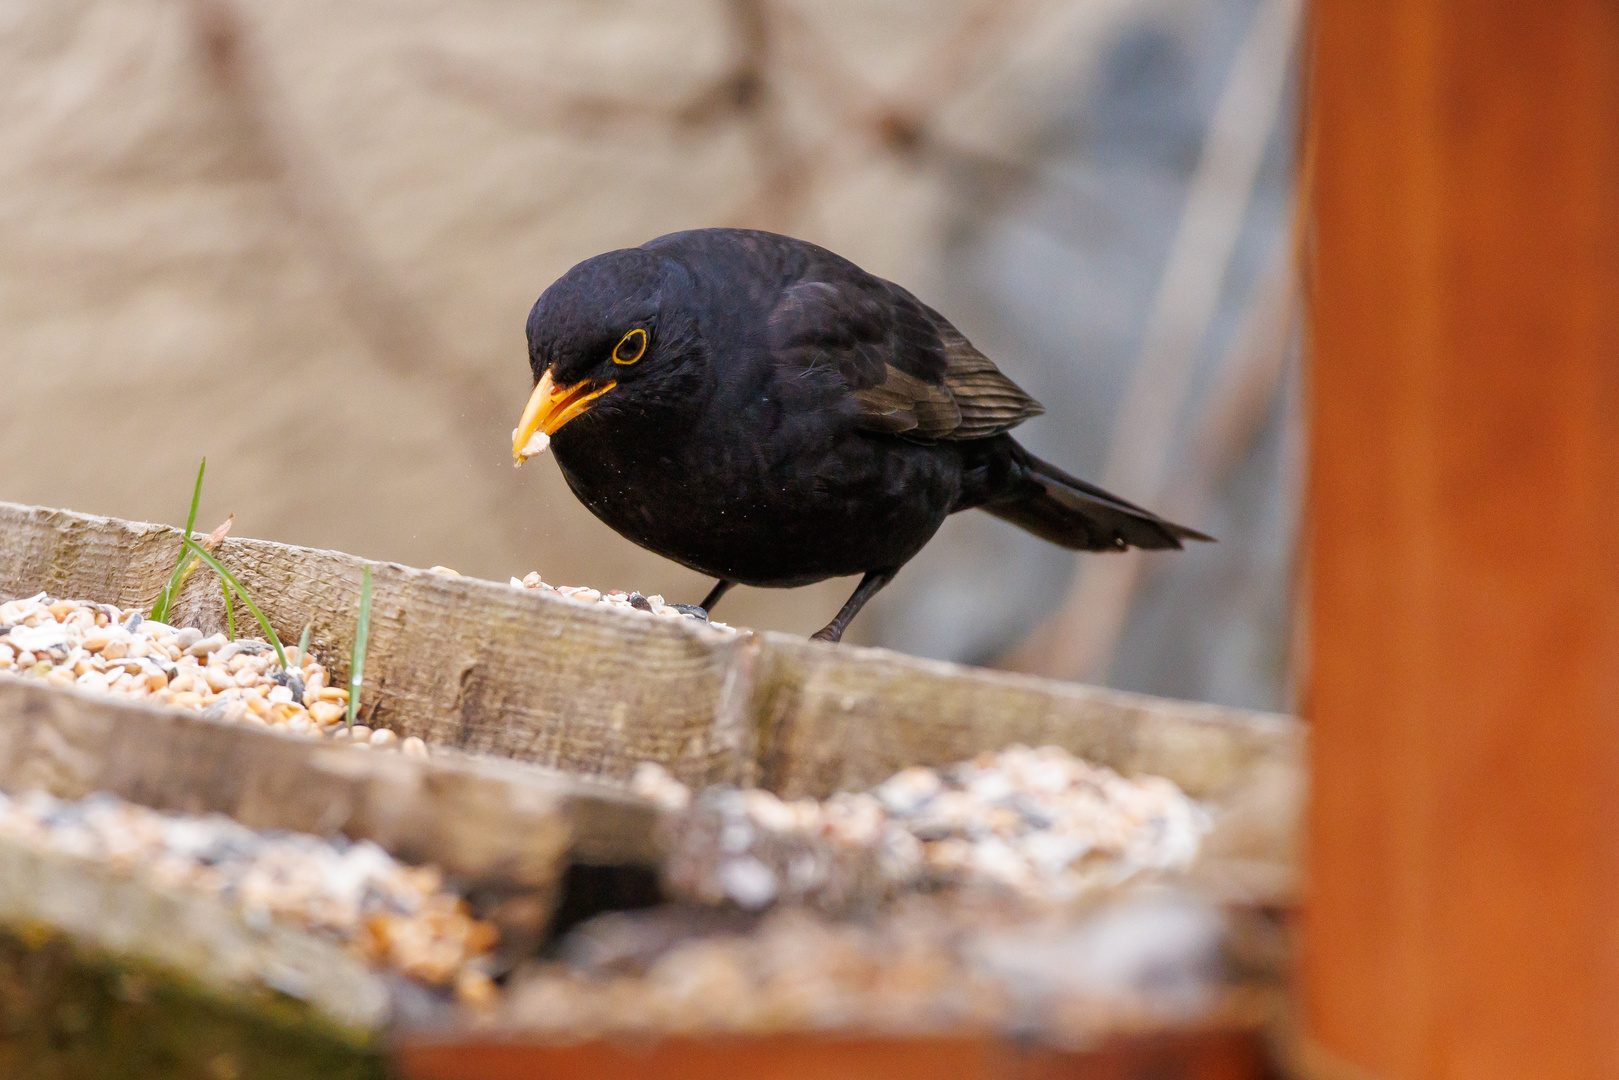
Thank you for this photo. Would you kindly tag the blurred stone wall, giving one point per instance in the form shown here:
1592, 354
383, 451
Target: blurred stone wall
301, 239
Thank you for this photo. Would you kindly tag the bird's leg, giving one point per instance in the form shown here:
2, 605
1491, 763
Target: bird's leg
721, 587
868, 587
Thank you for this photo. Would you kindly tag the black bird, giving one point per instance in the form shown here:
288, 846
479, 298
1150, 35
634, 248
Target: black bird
766, 412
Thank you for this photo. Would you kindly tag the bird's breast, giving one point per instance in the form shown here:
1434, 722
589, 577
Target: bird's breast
763, 494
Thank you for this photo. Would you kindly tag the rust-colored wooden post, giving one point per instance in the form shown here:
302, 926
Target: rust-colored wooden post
1462, 905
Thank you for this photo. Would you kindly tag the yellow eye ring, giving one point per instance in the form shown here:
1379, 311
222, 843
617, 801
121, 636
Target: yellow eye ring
630, 347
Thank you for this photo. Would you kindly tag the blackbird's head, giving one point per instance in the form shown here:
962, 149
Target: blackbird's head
611, 332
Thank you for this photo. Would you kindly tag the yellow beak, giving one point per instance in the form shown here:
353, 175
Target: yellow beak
549, 408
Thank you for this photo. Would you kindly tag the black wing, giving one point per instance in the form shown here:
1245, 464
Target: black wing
908, 370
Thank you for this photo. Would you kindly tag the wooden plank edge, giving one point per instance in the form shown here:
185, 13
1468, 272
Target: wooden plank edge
807, 683
1215, 1054
194, 937
462, 662
489, 823
833, 719
799, 717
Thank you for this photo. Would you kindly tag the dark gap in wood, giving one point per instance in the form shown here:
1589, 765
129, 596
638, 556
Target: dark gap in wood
590, 890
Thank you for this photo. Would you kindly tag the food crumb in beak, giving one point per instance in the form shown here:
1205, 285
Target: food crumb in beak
537, 444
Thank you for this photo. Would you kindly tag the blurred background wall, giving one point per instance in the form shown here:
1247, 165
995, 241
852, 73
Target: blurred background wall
301, 239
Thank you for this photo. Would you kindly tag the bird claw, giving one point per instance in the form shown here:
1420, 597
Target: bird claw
693, 610
827, 634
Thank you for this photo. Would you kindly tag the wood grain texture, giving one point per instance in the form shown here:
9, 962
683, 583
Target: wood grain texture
1198, 1055
493, 825
835, 719
1464, 827
460, 662
593, 691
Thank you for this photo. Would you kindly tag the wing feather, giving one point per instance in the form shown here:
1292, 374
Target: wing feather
908, 371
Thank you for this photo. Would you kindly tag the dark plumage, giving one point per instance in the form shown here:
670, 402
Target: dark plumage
774, 415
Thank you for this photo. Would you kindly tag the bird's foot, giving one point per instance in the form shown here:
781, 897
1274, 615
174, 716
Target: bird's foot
694, 610
832, 634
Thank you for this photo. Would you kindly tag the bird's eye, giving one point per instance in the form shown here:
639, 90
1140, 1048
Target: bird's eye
630, 347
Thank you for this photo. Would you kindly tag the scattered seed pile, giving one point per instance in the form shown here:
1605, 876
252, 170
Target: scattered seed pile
107, 650
791, 971
923, 965
617, 598
394, 915
969, 897
1042, 825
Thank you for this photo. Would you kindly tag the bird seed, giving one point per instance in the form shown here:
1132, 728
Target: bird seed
395, 916
106, 650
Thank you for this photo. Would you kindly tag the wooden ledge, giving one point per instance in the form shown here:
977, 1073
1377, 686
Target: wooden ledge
505, 672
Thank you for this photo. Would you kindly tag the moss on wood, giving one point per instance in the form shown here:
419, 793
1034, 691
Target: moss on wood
68, 1012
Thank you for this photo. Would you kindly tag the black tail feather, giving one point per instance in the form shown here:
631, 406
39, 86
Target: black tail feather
1081, 517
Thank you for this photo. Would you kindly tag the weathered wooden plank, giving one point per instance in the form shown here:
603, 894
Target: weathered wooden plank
198, 938
492, 824
461, 662
1217, 1054
837, 719
69, 1011
519, 675
590, 690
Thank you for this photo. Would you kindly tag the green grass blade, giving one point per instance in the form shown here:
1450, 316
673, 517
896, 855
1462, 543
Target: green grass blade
215, 565
303, 645
160, 609
361, 631
230, 610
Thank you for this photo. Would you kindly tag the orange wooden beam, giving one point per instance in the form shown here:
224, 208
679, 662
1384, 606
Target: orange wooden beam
1462, 908
1191, 1055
